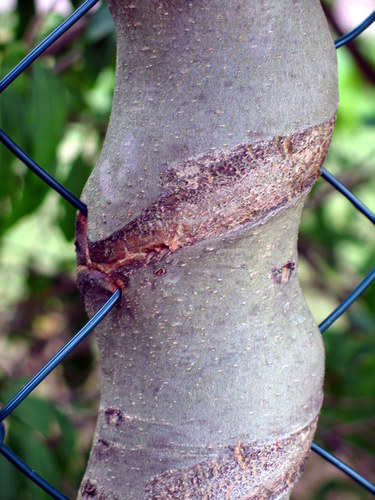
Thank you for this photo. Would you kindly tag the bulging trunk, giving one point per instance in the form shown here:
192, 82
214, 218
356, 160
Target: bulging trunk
212, 365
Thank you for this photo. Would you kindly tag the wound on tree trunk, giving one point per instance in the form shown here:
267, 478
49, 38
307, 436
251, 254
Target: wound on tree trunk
212, 366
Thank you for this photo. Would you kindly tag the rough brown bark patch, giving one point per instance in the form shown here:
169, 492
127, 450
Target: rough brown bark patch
230, 475
207, 197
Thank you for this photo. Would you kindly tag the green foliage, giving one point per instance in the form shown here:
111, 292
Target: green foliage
33, 115
336, 252
57, 112
339, 489
38, 108
45, 438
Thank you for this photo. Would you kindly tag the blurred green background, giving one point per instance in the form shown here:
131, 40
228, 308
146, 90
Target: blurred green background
57, 111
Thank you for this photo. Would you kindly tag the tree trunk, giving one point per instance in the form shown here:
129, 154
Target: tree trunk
212, 366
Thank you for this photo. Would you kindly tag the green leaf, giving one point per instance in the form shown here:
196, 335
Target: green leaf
39, 457
336, 489
10, 479
33, 114
46, 116
34, 451
66, 448
39, 414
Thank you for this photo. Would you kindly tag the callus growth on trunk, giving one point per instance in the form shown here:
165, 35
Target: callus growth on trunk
212, 366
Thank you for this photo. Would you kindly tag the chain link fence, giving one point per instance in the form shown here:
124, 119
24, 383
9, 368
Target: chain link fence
7, 453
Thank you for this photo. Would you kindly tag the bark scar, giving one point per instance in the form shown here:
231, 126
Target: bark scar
284, 273
206, 197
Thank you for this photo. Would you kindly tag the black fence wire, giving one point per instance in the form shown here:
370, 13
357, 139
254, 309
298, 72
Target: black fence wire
78, 204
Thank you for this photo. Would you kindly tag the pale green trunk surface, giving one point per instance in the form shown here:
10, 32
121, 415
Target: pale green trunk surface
212, 365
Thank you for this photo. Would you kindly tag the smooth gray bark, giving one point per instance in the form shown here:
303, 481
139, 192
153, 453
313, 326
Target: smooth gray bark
212, 365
